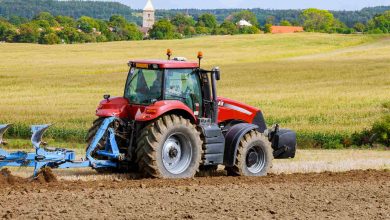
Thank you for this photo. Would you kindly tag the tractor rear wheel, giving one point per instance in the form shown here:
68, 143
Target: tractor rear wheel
254, 156
170, 147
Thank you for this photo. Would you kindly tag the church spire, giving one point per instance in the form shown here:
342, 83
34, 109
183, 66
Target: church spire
148, 15
149, 6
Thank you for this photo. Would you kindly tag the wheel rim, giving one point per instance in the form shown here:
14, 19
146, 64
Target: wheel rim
255, 159
177, 153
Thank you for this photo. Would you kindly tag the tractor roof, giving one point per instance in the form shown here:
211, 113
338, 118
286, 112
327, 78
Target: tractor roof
167, 64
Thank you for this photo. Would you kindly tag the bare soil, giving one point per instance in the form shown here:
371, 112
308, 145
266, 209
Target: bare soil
46, 175
347, 195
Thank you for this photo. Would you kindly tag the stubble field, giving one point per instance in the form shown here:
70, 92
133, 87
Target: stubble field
313, 83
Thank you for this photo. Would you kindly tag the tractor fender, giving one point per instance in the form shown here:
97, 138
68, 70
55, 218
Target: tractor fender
116, 106
163, 107
232, 140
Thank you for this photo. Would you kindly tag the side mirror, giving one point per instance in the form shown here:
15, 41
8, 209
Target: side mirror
106, 96
217, 73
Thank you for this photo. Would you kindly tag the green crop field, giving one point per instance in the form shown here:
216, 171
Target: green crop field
314, 83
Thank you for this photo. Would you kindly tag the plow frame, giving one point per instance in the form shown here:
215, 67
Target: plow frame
59, 157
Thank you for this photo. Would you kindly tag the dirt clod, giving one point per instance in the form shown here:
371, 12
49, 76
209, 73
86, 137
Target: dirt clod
272, 212
6, 177
46, 175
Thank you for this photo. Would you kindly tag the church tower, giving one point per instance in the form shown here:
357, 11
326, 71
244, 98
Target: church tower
148, 15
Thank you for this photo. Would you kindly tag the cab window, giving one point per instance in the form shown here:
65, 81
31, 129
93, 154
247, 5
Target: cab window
184, 85
144, 85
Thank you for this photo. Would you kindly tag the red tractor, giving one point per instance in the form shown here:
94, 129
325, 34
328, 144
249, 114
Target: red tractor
171, 124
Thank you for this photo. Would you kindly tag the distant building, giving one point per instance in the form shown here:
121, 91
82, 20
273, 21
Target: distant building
148, 18
285, 29
148, 15
244, 23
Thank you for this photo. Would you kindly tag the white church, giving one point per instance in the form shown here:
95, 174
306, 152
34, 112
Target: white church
148, 17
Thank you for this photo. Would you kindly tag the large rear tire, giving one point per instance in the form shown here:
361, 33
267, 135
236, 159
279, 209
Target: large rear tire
254, 156
170, 148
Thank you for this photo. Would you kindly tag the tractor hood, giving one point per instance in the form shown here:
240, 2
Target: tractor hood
231, 110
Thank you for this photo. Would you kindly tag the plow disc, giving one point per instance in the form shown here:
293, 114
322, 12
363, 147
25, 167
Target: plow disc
45, 156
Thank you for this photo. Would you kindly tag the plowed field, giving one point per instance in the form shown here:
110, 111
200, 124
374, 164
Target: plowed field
346, 195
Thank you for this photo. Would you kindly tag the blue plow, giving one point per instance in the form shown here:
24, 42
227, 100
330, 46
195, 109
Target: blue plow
59, 157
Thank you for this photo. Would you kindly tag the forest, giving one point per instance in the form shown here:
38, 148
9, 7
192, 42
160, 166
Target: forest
104, 10
85, 21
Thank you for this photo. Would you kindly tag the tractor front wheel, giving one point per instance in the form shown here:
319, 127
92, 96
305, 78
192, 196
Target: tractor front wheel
170, 147
254, 156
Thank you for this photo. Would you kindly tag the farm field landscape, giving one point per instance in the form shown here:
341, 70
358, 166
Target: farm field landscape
230, 110
313, 83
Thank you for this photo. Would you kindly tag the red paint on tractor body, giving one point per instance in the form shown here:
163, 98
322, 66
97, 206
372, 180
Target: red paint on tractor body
168, 64
120, 107
229, 109
159, 108
116, 106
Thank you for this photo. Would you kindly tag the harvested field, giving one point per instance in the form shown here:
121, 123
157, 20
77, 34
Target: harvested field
348, 195
284, 75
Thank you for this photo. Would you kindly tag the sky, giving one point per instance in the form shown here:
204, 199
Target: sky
265, 4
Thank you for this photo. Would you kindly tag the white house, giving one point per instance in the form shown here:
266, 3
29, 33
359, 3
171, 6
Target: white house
244, 23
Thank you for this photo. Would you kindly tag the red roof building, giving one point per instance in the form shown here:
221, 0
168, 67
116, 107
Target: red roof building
285, 29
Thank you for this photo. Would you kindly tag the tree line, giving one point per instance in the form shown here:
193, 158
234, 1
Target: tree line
73, 8
182, 26
349, 18
104, 10
46, 28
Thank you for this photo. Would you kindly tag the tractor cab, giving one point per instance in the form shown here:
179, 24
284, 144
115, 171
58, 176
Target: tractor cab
176, 84
150, 81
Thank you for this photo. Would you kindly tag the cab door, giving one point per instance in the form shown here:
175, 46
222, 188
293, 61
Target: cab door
184, 85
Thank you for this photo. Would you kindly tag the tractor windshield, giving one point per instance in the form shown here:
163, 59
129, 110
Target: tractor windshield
143, 86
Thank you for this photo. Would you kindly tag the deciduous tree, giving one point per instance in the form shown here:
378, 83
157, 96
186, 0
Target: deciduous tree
162, 29
207, 20
316, 20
